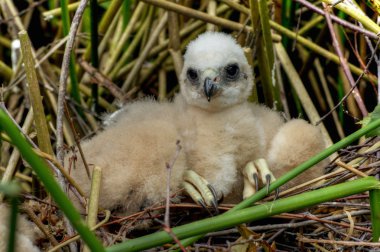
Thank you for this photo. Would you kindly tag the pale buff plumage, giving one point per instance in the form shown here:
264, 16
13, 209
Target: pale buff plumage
224, 134
132, 152
26, 232
220, 132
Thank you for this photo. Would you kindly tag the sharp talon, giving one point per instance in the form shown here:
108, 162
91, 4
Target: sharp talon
268, 179
215, 198
215, 206
256, 179
213, 191
204, 206
276, 193
221, 198
202, 203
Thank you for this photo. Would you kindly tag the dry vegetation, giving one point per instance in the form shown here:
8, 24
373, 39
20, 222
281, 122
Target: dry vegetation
330, 72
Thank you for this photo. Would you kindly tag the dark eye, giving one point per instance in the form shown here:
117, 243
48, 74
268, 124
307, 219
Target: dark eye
232, 71
192, 74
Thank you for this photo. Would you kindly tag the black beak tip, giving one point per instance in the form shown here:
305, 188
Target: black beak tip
209, 88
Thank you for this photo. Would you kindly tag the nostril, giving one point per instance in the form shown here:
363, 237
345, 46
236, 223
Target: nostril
216, 79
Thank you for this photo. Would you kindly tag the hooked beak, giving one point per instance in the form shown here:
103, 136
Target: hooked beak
209, 88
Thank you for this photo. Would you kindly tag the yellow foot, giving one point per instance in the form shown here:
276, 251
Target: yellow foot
200, 190
256, 173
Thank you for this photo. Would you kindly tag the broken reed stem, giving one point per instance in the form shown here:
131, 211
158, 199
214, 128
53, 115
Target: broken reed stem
351, 169
93, 203
169, 168
43, 135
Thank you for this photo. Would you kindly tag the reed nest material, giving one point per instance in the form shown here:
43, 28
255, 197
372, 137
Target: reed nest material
310, 59
339, 224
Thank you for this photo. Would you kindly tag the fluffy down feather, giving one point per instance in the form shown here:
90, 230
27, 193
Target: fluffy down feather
133, 152
26, 232
220, 132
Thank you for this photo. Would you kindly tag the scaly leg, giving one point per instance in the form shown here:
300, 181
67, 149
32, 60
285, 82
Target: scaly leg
254, 171
200, 190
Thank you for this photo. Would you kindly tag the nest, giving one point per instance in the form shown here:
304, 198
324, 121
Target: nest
143, 58
339, 225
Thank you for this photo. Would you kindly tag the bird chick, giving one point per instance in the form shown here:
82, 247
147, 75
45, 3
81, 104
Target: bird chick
220, 133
